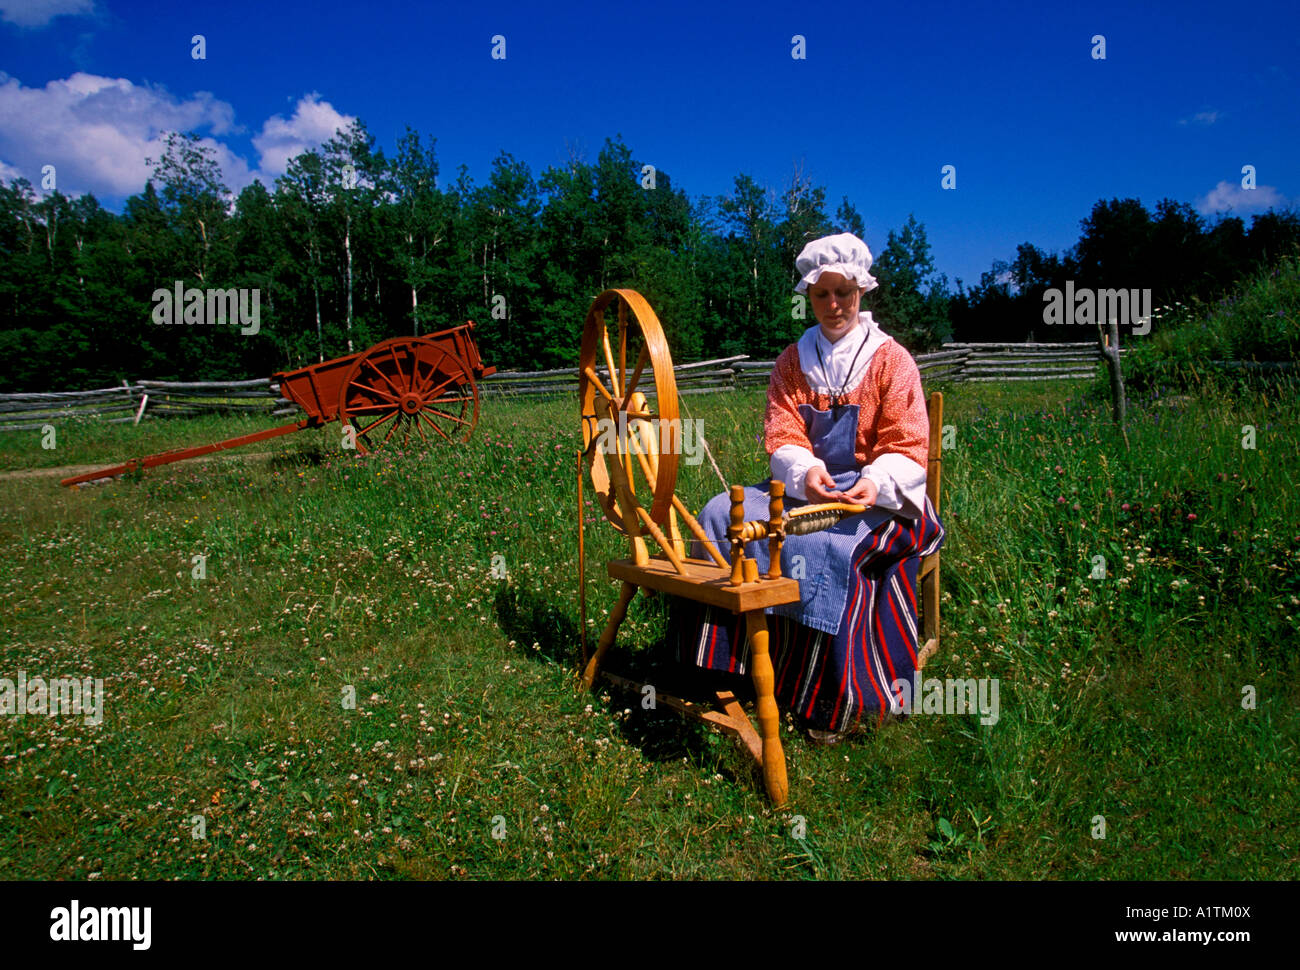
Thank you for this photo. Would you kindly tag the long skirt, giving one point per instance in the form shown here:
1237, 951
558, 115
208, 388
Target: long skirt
831, 680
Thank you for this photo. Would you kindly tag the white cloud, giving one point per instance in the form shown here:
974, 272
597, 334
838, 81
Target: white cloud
1205, 118
313, 123
98, 132
38, 13
1231, 197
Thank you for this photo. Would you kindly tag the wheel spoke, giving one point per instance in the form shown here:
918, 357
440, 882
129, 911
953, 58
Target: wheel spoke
622, 348
373, 390
375, 424
417, 382
450, 400
433, 424
392, 350
609, 360
452, 379
396, 390
449, 417
370, 407
420, 428
590, 374
423, 389
641, 360
391, 429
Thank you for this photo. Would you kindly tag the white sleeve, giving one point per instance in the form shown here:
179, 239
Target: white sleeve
791, 464
900, 484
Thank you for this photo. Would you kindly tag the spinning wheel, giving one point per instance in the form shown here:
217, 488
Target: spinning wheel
408, 384
631, 448
617, 413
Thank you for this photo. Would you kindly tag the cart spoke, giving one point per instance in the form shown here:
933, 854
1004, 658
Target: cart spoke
369, 407
377, 423
373, 390
396, 390
456, 379
392, 350
423, 389
391, 429
450, 417
450, 400
434, 425
420, 428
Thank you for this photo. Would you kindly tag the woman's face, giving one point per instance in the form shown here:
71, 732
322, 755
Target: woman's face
835, 300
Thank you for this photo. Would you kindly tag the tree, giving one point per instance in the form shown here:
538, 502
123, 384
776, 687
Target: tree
195, 200
420, 217
848, 219
301, 199
912, 296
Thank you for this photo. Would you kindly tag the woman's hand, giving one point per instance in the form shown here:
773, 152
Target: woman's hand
863, 493
820, 487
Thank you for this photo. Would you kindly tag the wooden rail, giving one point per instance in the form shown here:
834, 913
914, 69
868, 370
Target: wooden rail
956, 362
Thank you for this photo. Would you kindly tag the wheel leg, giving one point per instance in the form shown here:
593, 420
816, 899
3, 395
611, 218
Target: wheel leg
769, 720
607, 637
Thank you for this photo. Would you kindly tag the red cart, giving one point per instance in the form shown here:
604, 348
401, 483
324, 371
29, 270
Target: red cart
406, 386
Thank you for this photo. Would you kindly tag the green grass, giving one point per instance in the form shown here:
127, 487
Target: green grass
1120, 697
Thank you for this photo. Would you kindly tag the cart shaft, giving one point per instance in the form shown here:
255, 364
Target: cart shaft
181, 454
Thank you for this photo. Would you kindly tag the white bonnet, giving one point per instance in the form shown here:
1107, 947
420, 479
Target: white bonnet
844, 253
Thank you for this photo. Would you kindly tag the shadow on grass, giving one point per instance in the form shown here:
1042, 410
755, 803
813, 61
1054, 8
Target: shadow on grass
661, 734
307, 457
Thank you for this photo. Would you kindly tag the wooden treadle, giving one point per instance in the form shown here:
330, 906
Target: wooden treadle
734, 722
706, 583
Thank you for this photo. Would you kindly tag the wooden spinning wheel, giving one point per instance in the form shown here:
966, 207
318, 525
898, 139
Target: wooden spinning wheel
631, 449
406, 387
615, 406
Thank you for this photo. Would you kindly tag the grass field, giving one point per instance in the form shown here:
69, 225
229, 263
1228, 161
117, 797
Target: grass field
1161, 698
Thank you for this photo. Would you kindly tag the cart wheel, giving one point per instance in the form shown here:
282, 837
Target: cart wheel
634, 356
410, 390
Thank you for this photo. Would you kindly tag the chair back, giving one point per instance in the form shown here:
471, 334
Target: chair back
934, 465
929, 571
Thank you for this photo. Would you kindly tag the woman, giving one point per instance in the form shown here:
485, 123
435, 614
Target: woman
846, 422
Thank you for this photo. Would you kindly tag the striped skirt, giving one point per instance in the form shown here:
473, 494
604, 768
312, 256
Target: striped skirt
830, 681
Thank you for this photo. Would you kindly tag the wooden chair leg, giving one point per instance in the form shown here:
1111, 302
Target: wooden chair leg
769, 719
607, 637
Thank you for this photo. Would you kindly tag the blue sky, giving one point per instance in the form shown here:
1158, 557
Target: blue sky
1008, 93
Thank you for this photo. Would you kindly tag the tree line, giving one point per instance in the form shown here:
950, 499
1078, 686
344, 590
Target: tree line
351, 246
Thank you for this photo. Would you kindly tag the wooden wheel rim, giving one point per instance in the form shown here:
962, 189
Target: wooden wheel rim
408, 388
594, 398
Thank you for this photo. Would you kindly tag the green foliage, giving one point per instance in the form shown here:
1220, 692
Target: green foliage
1259, 321
350, 247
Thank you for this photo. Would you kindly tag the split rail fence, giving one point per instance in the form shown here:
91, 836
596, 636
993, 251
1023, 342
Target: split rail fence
153, 399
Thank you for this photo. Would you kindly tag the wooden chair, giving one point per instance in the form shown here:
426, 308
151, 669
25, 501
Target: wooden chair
929, 571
